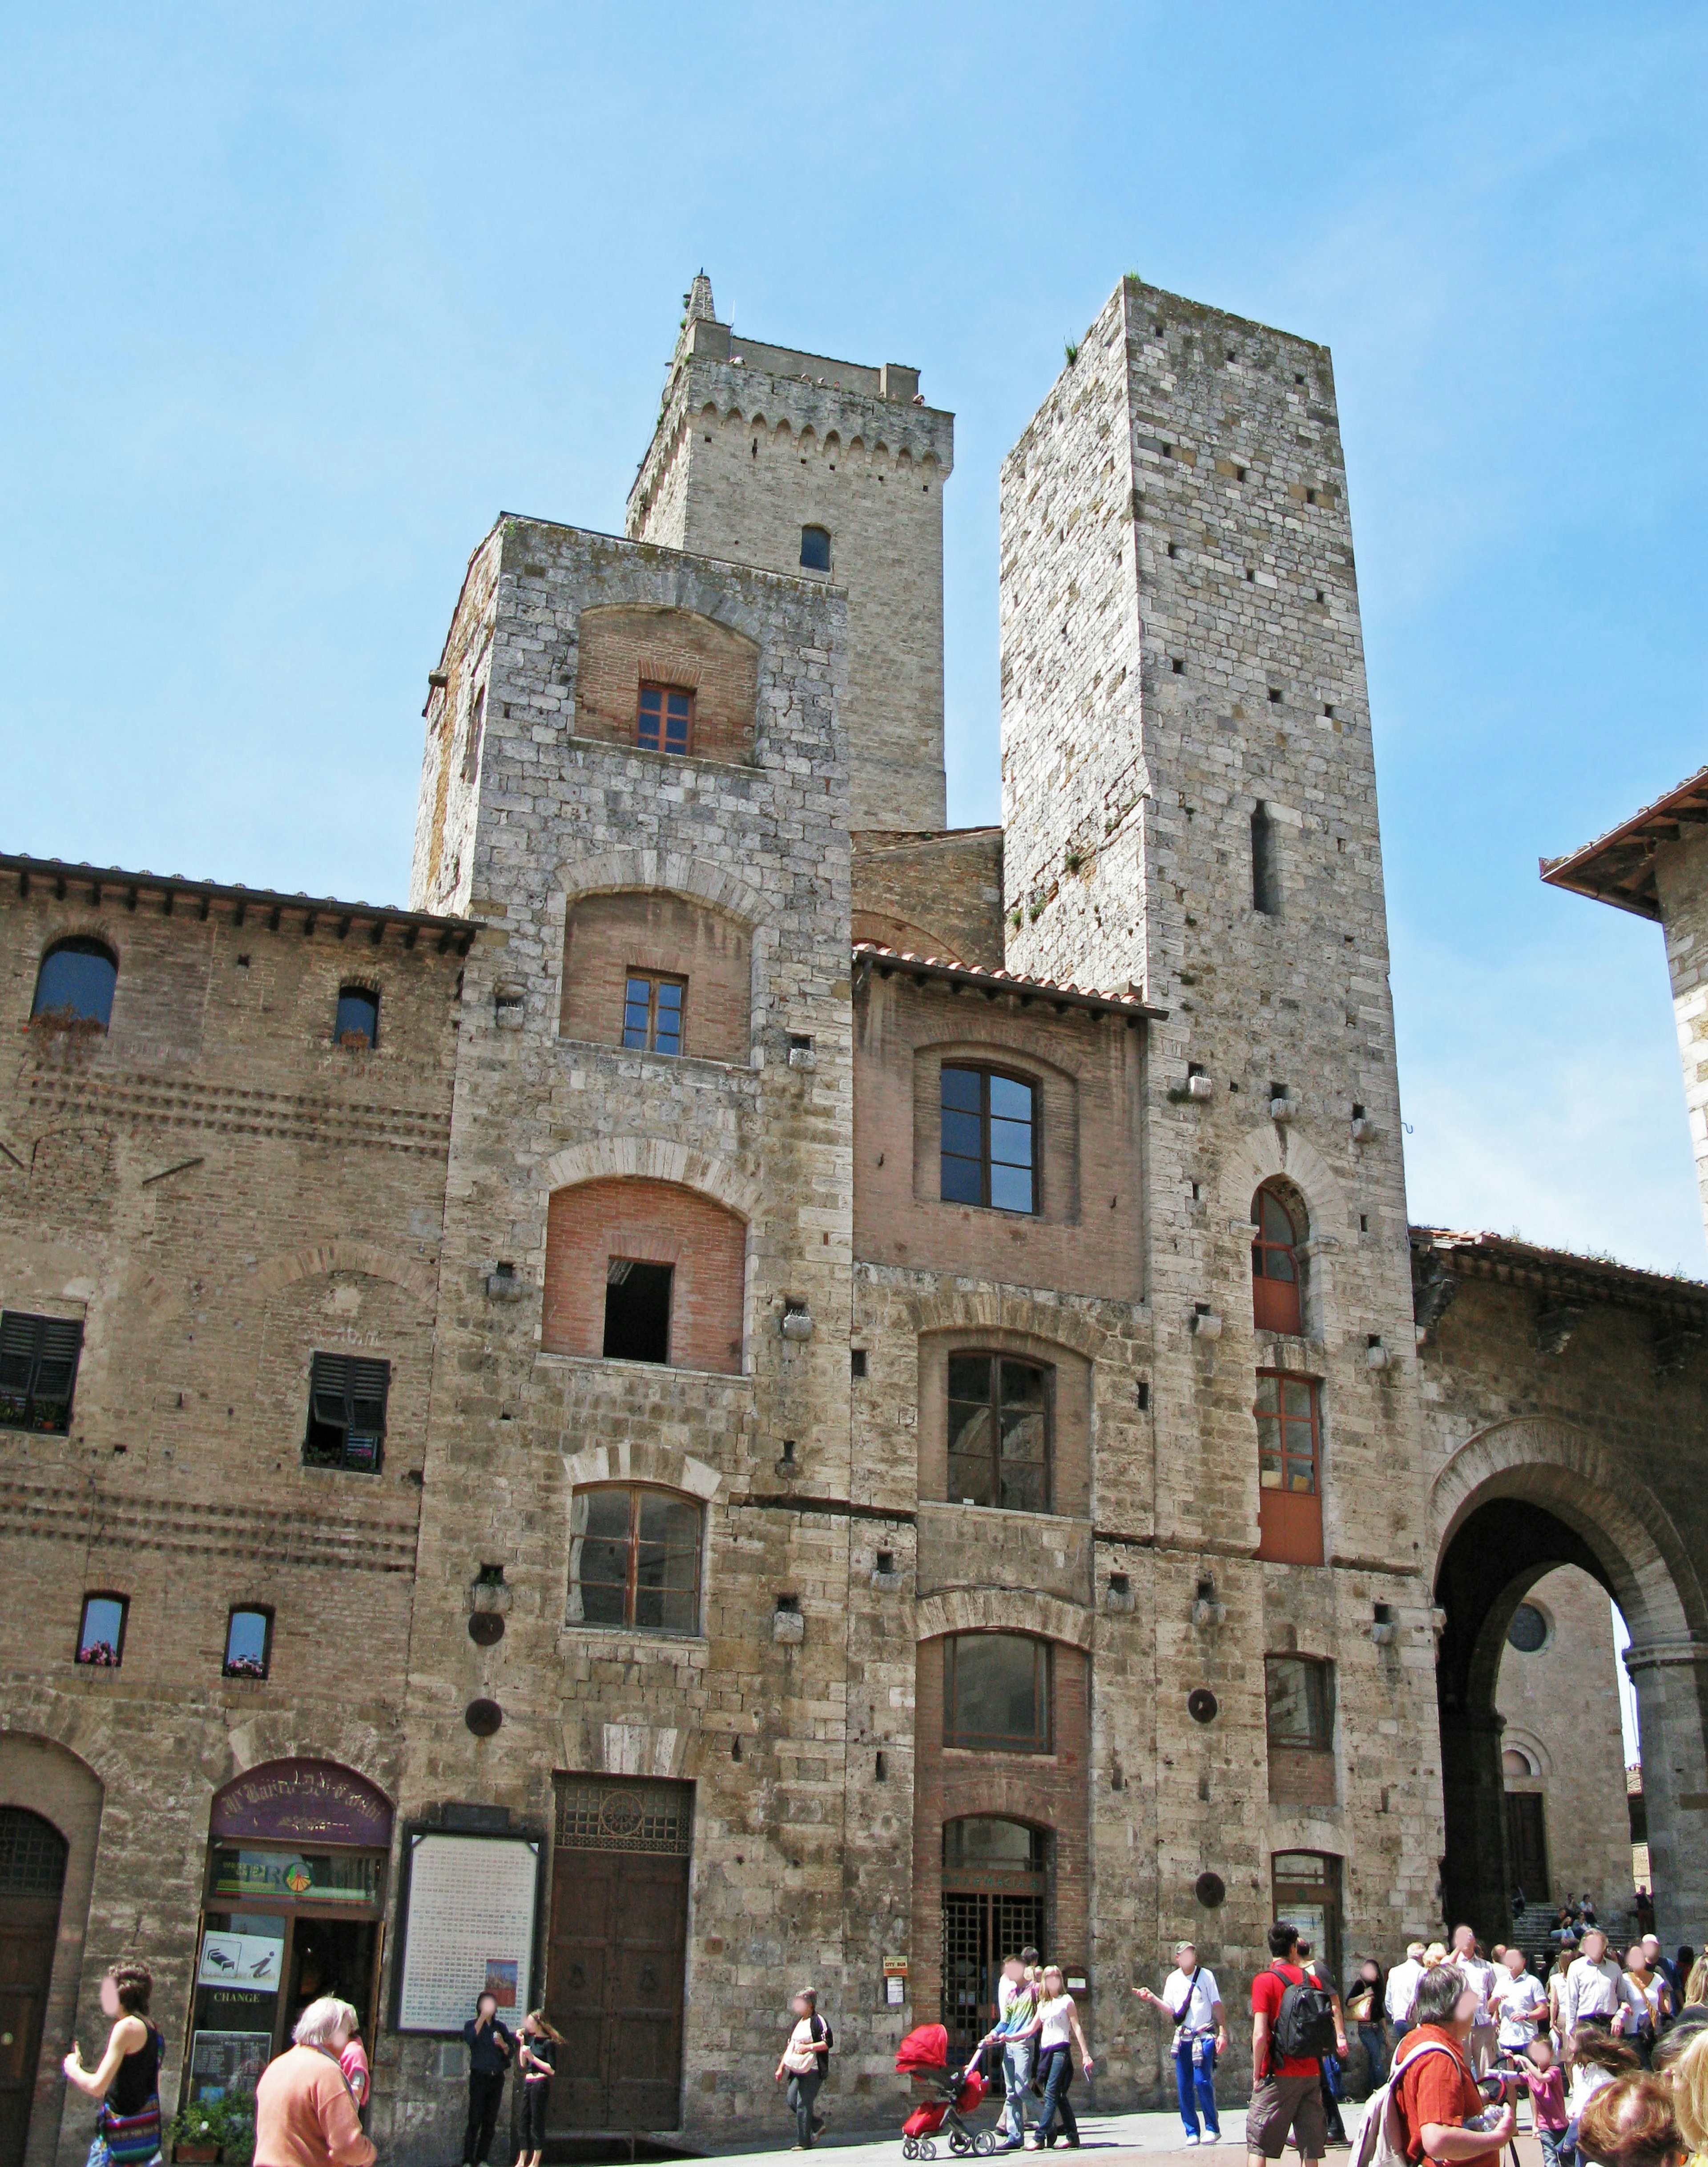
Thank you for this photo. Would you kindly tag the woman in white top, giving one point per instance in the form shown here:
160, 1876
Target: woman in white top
1520, 2002
1057, 2018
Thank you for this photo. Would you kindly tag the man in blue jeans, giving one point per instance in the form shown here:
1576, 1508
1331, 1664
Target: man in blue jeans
1192, 2001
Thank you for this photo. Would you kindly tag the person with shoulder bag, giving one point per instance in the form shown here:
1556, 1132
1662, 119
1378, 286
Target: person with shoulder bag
805, 2061
1295, 2021
1192, 2001
1433, 2113
126, 2079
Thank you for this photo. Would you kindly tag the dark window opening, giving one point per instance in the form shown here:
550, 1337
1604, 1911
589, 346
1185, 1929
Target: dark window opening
666, 713
1299, 1697
815, 548
101, 1635
347, 1413
38, 1371
356, 1022
1274, 1265
634, 1560
1286, 1432
1266, 870
248, 1644
857, 1361
75, 983
636, 1310
996, 1692
988, 1843
651, 1012
988, 1121
998, 1433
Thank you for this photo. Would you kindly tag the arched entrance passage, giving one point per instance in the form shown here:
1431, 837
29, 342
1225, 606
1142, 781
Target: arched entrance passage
32, 1855
1512, 1503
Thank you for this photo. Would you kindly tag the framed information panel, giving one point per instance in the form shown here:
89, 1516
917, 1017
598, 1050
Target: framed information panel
470, 1904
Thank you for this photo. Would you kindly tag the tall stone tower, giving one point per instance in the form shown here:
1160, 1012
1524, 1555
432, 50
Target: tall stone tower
829, 470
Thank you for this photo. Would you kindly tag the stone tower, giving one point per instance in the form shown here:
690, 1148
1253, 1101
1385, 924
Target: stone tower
826, 470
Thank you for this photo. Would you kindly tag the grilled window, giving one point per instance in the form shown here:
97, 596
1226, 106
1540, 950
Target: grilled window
356, 1022
101, 1635
248, 1644
75, 983
634, 1558
666, 714
987, 1139
651, 1012
998, 1433
347, 1413
38, 1370
815, 548
996, 1692
32, 1854
1286, 1432
1299, 1693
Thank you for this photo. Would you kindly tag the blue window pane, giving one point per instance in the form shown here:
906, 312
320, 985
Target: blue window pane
676, 723
815, 548
1010, 1188
669, 997
669, 1037
961, 1136
102, 1636
960, 1089
1010, 1101
962, 1181
652, 707
635, 1012
76, 981
357, 1020
245, 1645
1011, 1143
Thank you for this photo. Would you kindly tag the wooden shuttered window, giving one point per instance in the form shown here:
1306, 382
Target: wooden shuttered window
347, 1413
38, 1370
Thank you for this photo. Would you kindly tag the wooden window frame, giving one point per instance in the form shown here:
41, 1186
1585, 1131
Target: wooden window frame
28, 1344
1287, 1423
1265, 1306
662, 694
1043, 1740
338, 1377
1320, 1700
994, 1358
986, 1072
249, 1610
653, 980
101, 1595
636, 1493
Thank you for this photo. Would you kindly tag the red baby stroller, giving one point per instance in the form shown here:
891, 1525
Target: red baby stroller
924, 2054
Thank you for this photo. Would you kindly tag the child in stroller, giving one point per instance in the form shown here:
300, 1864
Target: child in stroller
924, 2054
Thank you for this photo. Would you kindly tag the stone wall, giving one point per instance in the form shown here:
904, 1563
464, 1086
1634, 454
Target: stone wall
932, 895
1681, 881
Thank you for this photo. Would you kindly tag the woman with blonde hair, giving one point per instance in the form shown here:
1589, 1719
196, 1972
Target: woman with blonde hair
1688, 2074
536, 2057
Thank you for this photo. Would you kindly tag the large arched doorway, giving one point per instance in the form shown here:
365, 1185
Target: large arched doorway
33, 1856
1510, 1506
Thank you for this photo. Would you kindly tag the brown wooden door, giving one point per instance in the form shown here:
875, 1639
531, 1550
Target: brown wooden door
1526, 1844
617, 1969
32, 1871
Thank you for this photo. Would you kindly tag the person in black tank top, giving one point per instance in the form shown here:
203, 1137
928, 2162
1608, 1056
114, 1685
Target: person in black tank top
126, 2080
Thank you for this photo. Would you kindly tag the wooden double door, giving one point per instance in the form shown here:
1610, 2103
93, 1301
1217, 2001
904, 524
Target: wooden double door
32, 1875
617, 1963
1527, 1844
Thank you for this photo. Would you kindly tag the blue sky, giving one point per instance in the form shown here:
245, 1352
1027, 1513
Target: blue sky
294, 300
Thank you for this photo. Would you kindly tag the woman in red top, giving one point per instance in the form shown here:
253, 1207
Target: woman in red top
1438, 2096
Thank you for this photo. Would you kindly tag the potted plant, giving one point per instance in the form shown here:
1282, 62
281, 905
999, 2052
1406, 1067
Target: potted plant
215, 2129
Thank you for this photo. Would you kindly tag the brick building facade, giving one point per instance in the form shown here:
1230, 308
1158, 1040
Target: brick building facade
769, 1430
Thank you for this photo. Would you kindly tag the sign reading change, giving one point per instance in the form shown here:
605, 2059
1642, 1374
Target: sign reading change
470, 1929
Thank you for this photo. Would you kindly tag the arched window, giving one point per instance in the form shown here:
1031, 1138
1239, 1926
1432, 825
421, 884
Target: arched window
996, 1692
815, 548
1276, 1264
357, 1021
998, 1433
75, 983
634, 1558
248, 1644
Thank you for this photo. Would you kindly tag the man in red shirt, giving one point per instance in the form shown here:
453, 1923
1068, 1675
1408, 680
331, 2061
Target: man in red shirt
1286, 2093
1437, 2095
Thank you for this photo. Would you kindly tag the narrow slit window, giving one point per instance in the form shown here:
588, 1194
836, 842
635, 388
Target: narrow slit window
636, 1310
1276, 1265
815, 548
666, 713
988, 1140
248, 1644
651, 1012
38, 1371
1266, 871
347, 1413
101, 1634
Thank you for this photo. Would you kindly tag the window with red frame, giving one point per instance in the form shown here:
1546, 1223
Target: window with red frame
1289, 1459
1276, 1265
665, 714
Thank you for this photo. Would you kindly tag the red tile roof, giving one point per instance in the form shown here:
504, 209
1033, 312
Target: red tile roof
890, 960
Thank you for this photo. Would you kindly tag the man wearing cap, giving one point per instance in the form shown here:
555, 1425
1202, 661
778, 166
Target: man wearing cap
1192, 2001
1402, 1988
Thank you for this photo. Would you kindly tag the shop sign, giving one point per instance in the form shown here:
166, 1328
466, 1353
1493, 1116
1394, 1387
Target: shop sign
468, 1928
304, 1801
225, 2062
288, 1877
251, 1961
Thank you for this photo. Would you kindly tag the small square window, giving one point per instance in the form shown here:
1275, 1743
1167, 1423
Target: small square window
248, 1644
651, 1012
636, 1310
101, 1636
857, 1361
1177, 665
666, 713
38, 1371
347, 1413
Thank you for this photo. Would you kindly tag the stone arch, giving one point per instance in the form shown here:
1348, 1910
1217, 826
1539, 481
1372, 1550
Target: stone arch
720, 887
1512, 1502
1278, 1151
1003, 1610
666, 1466
902, 936
651, 1158
45, 1776
161, 1298
1003, 1309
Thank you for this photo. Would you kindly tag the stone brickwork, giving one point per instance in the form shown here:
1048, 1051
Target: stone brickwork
932, 895
608, 936
755, 443
1681, 879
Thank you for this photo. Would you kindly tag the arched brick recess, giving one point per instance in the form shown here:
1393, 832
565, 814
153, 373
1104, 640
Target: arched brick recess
651, 1222
654, 930
648, 1158
1070, 1403
624, 644
342, 1254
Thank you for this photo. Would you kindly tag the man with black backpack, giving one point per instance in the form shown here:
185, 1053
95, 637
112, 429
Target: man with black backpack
1295, 2021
